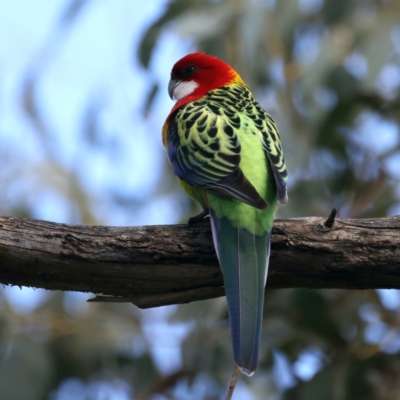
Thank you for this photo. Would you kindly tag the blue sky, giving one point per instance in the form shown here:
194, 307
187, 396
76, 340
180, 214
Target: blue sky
95, 60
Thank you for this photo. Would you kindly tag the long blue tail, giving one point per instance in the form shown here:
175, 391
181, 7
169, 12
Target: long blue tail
243, 258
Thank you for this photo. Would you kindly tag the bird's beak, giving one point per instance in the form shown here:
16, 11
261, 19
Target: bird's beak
173, 83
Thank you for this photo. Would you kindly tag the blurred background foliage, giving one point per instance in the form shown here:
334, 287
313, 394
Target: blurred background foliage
82, 101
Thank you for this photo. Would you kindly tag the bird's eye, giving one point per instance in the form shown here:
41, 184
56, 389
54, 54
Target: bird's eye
189, 69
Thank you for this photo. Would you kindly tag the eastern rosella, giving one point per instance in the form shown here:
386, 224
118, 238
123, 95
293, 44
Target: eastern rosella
226, 151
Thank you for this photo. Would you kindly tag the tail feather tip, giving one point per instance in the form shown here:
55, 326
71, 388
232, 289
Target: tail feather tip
246, 371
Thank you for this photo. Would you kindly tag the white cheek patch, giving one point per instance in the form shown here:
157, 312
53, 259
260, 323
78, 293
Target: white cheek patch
184, 89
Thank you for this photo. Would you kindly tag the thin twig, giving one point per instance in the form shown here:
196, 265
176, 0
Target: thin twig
331, 219
232, 385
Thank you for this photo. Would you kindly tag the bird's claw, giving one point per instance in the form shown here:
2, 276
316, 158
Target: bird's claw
198, 218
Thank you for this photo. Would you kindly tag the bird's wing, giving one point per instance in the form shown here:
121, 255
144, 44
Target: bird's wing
204, 150
273, 146
238, 100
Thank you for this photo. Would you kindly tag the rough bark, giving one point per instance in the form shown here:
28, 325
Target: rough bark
158, 265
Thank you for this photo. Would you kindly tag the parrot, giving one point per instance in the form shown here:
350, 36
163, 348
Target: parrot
227, 153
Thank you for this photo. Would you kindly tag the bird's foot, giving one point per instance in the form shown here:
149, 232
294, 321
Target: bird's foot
199, 218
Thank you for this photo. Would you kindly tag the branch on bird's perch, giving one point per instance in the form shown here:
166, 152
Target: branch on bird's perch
331, 219
158, 265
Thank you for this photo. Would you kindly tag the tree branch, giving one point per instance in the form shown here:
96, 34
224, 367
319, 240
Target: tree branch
158, 265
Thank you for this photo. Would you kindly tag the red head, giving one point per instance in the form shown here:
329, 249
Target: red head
196, 74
